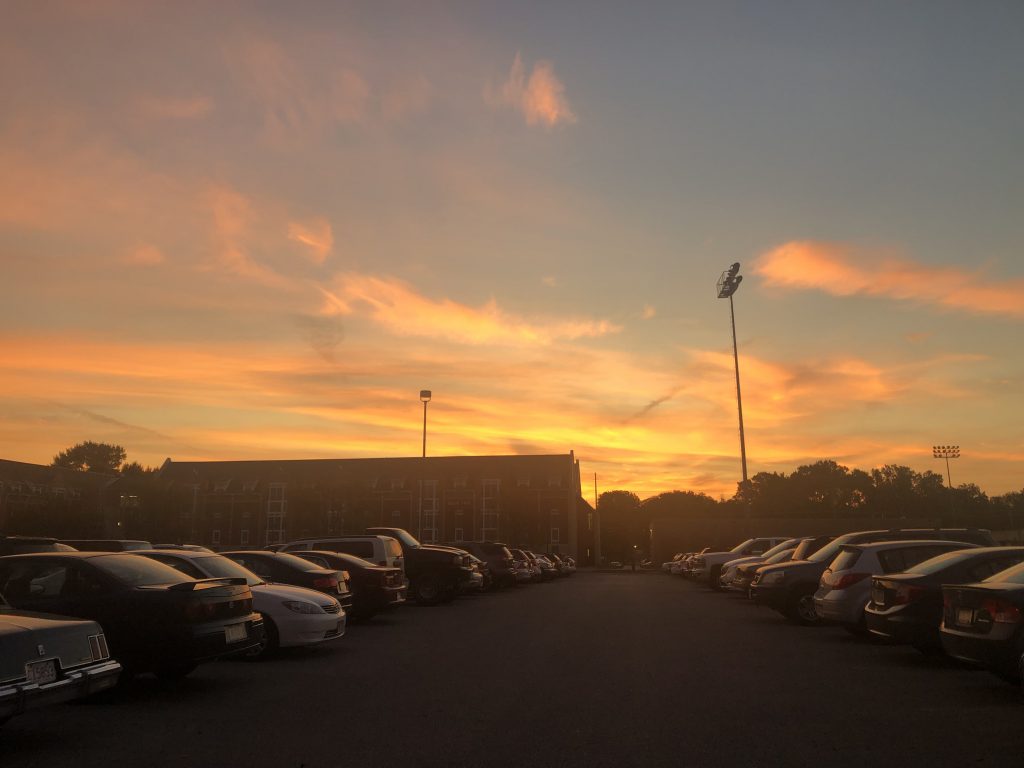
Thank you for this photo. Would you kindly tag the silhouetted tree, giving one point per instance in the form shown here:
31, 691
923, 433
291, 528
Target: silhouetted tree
92, 457
622, 525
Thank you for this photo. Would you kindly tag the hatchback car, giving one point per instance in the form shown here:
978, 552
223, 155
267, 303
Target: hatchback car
845, 587
907, 607
48, 659
292, 616
156, 619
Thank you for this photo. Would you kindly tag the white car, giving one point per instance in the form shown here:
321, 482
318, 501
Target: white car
707, 566
292, 616
730, 568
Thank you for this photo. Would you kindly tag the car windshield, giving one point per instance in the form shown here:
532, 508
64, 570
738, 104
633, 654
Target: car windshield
787, 544
406, 538
220, 567
296, 562
138, 571
741, 547
941, 562
780, 557
826, 553
1013, 575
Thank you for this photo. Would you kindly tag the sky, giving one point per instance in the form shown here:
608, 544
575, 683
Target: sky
257, 230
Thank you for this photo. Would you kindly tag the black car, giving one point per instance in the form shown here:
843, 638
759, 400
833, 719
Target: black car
284, 568
155, 618
789, 587
373, 587
907, 607
435, 573
498, 558
983, 623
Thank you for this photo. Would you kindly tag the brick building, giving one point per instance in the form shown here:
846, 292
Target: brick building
529, 501
36, 499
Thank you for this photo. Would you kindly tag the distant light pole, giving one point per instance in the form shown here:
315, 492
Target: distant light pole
425, 397
947, 452
728, 282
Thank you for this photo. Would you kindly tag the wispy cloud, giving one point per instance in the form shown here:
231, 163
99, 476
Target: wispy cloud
184, 108
649, 312
316, 235
232, 216
842, 270
399, 308
147, 255
540, 97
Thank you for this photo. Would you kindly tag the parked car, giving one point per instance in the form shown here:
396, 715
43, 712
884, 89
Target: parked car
385, 551
20, 545
188, 547
983, 623
548, 571
284, 568
746, 573
907, 607
789, 587
738, 578
497, 556
107, 545
729, 568
155, 618
845, 587
48, 659
707, 566
373, 587
435, 573
524, 568
666, 567
569, 562
292, 616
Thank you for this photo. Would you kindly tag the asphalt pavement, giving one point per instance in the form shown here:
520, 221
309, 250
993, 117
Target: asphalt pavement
594, 670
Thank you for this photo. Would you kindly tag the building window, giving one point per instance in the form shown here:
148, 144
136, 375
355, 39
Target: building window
522, 482
458, 534
215, 539
277, 507
429, 502
459, 481
249, 486
554, 537
489, 510
554, 481
221, 486
397, 484
244, 534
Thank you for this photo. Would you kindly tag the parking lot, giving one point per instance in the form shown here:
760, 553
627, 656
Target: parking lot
594, 670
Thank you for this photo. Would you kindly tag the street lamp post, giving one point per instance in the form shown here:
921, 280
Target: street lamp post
728, 282
425, 397
947, 452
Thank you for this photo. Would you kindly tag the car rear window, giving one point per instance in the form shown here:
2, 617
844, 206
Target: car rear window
138, 571
1014, 575
846, 559
219, 566
295, 562
941, 562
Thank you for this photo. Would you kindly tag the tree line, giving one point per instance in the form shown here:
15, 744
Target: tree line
824, 489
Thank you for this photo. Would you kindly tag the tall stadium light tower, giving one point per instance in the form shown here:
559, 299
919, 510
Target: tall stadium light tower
947, 452
425, 398
728, 282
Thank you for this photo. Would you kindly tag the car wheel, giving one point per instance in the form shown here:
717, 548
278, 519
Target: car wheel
801, 608
427, 590
176, 671
713, 576
270, 643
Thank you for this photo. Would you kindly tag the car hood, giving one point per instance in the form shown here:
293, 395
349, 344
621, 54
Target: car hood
266, 595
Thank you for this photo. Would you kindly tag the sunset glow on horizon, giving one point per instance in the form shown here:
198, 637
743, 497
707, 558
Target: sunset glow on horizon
255, 232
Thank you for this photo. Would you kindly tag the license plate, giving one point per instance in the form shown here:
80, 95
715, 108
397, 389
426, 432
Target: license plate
965, 617
41, 672
235, 632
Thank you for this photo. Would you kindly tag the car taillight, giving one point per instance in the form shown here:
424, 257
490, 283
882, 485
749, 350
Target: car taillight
847, 580
1001, 611
907, 594
196, 611
325, 582
98, 646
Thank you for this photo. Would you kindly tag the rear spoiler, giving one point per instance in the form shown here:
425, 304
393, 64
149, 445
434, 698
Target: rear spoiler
191, 586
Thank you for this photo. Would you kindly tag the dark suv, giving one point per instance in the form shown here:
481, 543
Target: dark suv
789, 587
435, 573
498, 558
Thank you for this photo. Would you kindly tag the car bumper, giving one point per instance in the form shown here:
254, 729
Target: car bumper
309, 629
840, 608
900, 627
997, 650
76, 684
212, 643
770, 595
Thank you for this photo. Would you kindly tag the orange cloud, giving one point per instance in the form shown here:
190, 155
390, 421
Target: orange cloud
396, 306
540, 97
144, 256
232, 216
841, 271
316, 235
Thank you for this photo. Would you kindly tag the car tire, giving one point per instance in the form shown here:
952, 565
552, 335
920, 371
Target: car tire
800, 608
427, 590
270, 644
713, 576
177, 671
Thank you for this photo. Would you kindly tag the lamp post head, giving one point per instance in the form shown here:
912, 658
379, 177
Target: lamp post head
946, 451
425, 395
729, 281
